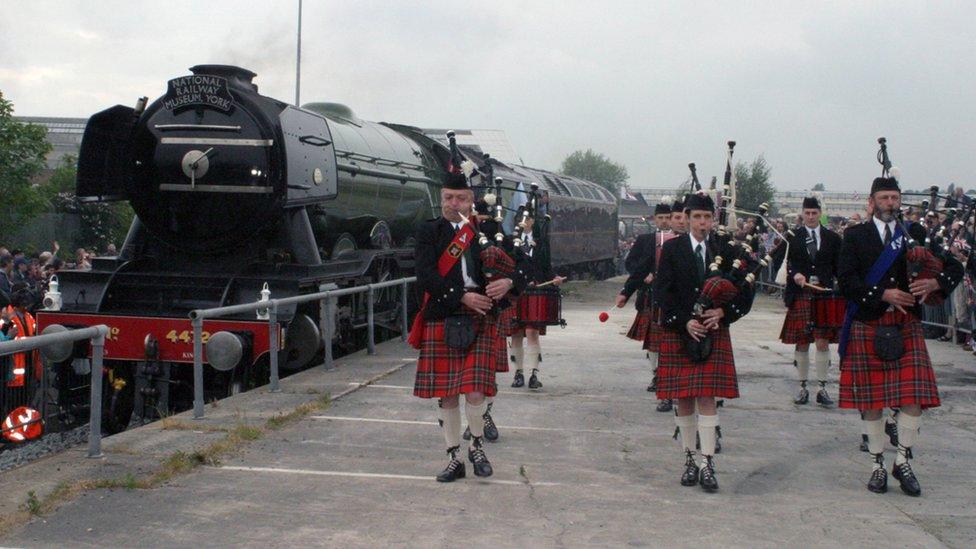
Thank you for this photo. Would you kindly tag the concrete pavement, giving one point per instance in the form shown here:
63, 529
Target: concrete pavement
584, 462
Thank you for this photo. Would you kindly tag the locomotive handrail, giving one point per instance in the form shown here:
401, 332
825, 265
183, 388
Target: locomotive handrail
271, 306
96, 334
399, 176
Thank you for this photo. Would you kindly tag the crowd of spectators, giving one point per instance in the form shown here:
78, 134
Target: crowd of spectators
35, 270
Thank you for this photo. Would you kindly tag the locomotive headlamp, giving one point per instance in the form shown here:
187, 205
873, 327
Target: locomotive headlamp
52, 297
57, 352
262, 314
224, 351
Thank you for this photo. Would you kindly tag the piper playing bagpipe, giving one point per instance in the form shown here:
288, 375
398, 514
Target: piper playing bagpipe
457, 329
884, 361
539, 305
813, 309
696, 361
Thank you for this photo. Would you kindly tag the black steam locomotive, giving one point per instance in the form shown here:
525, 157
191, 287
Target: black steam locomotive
235, 193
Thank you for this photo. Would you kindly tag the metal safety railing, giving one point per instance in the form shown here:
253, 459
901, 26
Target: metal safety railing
96, 334
327, 303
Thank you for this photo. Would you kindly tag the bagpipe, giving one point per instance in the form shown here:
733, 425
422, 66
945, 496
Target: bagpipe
495, 262
925, 259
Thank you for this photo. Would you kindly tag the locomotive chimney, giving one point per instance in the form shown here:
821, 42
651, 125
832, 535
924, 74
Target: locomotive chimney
237, 77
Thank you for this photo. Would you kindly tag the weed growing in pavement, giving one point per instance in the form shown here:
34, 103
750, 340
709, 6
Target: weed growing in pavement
33, 505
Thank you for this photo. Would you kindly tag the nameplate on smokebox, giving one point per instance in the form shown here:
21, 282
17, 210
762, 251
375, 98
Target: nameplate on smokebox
198, 90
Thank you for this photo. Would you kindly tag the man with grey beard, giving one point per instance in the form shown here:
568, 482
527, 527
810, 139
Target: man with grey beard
884, 361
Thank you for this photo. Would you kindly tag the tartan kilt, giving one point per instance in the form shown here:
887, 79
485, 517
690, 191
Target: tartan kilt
865, 381
679, 377
655, 331
799, 319
506, 320
511, 325
640, 325
443, 371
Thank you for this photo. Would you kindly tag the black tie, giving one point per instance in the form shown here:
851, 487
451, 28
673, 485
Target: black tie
700, 262
812, 245
887, 238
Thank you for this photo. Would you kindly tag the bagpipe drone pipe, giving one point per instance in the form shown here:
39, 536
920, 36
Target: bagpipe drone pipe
925, 259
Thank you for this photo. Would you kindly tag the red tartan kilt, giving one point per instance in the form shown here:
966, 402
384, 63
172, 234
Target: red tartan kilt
443, 372
506, 320
679, 377
800, 318
655, 331
638, 329
511, 325
867, 384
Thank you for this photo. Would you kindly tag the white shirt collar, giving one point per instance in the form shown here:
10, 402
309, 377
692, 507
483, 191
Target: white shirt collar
814, 229
880, 225
695, 242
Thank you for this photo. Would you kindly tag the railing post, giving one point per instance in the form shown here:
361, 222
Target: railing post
197, 367
370, 325
403, 312
329, 326
95, 407
273, 342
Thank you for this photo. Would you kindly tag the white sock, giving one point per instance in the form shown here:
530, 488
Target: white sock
532, 357
706, 433
822, 359
802, 364
907, 435
516, 355
652, 358
476, 420
452, 426
875, 431
688, 426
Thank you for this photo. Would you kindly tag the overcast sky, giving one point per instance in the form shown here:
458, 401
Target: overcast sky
653, 85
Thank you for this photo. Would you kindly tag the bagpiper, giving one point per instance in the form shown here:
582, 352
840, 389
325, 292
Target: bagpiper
694, 382
884, 360
812, 270
536, 250
457, 329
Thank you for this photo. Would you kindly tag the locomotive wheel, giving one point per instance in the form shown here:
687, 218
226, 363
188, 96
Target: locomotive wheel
118, 397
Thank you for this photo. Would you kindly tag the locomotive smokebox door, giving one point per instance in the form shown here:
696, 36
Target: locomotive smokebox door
310, 155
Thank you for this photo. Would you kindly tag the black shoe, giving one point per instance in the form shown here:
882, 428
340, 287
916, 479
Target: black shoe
519, 379
803, 397
534, 382
653, 386
707, 476
864, 442
491, 430
891, 429
718, 439
823, 398
476, 454
906, 477
665, 405
690, 476
454, 469
879, 478
467, 433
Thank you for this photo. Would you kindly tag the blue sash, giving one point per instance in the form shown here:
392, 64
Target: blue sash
877, 272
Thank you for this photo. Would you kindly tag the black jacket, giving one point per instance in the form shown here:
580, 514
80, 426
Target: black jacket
824, 268
861, 247
433, 237
640, 263
676, 285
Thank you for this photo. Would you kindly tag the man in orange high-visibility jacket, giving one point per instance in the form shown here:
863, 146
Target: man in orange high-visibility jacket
19, 324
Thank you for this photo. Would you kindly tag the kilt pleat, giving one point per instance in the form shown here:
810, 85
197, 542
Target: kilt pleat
798, 327
868, 383
655, 331
511, 324
679, 377
443, 371
638, 328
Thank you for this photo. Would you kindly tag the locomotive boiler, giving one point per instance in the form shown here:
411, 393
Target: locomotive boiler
235, 192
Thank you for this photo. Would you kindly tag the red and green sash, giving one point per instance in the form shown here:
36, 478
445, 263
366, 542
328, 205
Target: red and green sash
455, 250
